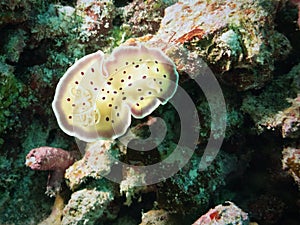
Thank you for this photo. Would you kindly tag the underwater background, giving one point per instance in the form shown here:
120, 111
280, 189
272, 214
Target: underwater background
251, 47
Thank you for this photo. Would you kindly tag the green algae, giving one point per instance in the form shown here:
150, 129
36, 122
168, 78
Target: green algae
11, 101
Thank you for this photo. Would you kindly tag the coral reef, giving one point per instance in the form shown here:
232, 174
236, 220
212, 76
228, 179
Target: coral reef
236, 38
128, 185
143, 17
251, 46
22, 189
86, 206
96, 201
288, 120
159, 217
193, 187
189, 182
89, 166
226, 213
291, 162
264, 108
97, 17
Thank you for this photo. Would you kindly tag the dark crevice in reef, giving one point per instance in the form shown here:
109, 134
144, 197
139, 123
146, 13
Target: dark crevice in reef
36, 56
121, 3
264, 190
286, 23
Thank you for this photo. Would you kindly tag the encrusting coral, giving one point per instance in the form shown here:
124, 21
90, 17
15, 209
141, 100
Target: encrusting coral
89, 166
226, 213
87, 205
143, 17
97, 17
236, 38
96, 97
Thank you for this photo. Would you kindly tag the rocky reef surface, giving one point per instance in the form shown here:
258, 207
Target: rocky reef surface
252, 50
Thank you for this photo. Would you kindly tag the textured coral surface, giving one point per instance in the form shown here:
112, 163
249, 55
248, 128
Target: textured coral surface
251, 47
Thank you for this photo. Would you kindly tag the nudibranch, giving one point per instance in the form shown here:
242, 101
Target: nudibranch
97, 95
